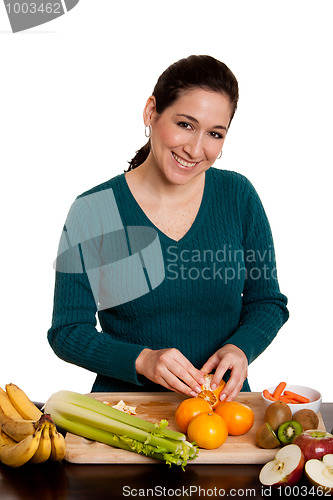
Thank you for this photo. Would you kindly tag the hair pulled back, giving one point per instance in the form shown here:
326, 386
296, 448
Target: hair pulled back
195, 71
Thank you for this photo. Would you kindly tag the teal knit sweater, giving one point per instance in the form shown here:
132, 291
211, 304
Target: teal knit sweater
217, 285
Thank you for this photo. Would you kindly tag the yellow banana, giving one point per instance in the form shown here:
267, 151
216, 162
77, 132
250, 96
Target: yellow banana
17, 454
7, 406
22, 403
58, 444
17, 429
12, 422
44, 448
4, 439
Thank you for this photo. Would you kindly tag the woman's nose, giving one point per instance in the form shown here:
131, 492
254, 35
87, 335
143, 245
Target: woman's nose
195, 146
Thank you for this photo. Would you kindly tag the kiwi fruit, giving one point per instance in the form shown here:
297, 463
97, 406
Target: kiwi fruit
266, 437
277, 413
288, 431
307, 418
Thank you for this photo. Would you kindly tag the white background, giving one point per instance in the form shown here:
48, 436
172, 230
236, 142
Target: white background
71, 98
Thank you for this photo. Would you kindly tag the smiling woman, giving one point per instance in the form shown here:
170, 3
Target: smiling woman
162, 330
183, 146
192, 73
180, 153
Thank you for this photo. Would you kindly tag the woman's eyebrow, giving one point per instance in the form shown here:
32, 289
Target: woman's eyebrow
191, 118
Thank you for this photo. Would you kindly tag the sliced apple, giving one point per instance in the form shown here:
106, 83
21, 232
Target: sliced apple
285, 469
320, 472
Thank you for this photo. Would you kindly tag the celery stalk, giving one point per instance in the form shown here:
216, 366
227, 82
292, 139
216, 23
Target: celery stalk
94, 420
122, 442
87, 402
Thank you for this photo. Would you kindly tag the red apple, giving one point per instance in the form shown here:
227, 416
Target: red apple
320, 473
314, 443
285, 469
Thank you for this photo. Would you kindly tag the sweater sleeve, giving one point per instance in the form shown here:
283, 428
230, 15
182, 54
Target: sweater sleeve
264, 309
73, 335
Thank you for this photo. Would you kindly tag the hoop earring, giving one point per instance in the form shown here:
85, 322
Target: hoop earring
148, 133
220, 155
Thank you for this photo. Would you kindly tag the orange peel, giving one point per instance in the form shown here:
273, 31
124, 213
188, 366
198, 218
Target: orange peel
212, 396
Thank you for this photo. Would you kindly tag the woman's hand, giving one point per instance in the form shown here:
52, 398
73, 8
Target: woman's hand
229, 357
170, 368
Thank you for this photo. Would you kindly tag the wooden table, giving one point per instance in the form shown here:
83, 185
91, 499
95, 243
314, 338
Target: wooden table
66, 481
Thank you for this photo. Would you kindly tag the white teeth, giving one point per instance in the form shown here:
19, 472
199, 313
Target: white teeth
183, 162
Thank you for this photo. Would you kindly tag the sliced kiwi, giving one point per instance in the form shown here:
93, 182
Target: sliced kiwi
307, 418
288, 431
277, 413
266, 437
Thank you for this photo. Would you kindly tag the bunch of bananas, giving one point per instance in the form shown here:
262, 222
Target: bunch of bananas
26, 434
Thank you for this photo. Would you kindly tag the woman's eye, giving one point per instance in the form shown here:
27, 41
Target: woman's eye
188, 126
216, 135
184, 125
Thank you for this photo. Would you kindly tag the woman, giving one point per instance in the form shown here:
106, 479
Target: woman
203, 250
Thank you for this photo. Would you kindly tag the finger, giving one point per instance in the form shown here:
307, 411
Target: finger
170, 373
229, 362
219, 374
167, 379
174, 384
184, 370
210, 364
234, 385
233, 395
165, 383
187, 377
193, 377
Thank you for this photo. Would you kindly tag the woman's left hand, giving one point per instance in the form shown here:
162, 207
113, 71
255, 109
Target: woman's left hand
229, 357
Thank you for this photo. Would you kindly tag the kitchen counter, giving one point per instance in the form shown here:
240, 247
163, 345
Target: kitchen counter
66, 481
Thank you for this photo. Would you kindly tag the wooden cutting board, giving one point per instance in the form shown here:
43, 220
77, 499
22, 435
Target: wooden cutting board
162, 405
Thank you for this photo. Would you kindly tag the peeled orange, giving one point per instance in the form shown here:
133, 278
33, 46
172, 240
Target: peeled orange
212, 396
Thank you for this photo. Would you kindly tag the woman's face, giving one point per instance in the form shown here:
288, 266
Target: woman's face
188, 136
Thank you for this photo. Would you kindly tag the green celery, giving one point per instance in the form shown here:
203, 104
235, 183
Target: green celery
93, 419
127, 443
87, 402
75, 413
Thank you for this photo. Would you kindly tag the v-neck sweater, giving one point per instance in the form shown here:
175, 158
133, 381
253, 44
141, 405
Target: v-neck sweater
219, 285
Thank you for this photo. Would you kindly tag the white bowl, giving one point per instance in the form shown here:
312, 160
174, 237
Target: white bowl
312, 394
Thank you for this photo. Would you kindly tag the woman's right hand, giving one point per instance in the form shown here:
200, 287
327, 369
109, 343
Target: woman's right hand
170, 368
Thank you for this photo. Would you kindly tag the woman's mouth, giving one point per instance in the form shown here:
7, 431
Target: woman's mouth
183, 163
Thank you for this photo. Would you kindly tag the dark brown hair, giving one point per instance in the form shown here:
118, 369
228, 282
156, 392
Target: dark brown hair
192, 72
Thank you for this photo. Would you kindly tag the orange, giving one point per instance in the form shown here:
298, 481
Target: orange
208, 430
238, 417
206, 392
187, 409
